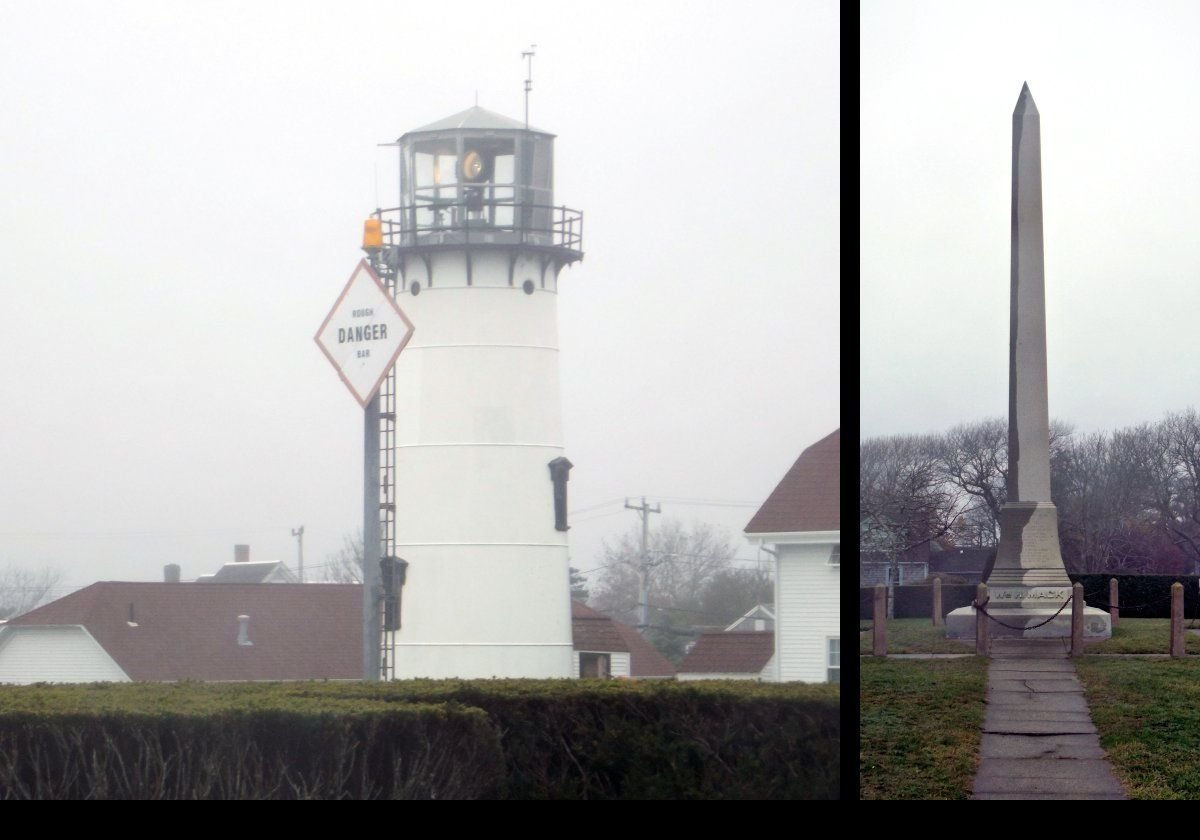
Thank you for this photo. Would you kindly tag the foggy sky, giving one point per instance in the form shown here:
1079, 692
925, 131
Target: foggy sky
182, 194
1118, 89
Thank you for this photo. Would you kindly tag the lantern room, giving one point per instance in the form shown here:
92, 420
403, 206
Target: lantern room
479, 178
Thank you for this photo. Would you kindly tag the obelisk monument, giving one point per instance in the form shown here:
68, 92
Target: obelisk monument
1028, 583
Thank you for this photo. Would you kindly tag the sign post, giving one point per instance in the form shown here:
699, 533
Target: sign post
362, 336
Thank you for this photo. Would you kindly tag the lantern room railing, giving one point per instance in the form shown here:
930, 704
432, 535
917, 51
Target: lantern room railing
462, 221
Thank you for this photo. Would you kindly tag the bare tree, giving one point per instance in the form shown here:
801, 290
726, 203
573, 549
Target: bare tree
346, 564
904, 498
684, 565
22, 589
974, 458
1180, 442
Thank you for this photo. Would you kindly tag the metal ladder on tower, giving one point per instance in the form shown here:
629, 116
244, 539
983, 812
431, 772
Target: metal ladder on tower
388, 274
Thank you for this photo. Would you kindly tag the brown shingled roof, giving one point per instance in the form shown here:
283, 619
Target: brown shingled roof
729, 653
591, 630
808, 498
644, 659
598, 632
189, 631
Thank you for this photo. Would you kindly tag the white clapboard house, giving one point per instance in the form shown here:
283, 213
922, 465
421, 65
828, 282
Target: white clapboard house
799, 525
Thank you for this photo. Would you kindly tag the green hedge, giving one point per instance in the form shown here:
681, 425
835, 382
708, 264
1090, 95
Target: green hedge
524, 739
415, 752
1141, 596
916, 600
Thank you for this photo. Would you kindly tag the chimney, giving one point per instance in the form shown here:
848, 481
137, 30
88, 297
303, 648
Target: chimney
244, 630
241, 554
171, 573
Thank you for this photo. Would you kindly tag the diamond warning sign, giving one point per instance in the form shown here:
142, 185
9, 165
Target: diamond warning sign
364, 333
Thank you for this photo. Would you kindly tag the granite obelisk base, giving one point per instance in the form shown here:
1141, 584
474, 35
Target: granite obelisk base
1028, 586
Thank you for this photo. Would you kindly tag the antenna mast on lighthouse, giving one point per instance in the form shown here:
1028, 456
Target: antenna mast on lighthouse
528, 56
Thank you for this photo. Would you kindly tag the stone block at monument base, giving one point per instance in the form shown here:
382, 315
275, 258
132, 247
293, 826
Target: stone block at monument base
1097, 624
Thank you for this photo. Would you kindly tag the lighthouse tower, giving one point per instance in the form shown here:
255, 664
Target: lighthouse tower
474, 252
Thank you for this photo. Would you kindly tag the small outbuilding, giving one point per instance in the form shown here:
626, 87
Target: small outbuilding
605, 647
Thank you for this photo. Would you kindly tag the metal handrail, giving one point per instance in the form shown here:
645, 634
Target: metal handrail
564, 227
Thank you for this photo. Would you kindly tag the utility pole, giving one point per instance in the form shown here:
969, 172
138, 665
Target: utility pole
298, 533
644, 511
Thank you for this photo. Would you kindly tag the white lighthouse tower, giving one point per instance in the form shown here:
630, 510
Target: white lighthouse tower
474, 253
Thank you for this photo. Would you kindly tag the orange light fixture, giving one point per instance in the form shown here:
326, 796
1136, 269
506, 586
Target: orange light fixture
372, 234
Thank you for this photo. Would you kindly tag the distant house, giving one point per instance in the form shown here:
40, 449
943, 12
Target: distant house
966, 563
746, 655
877, 567
801, 520
259, 571
605, 647
759, 618
242, 570
165, 632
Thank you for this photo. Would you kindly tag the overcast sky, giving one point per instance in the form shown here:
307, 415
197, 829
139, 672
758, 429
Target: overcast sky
1118, 89
182, 191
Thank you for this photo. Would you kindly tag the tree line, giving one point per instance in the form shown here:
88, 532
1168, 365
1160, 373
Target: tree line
1128, 500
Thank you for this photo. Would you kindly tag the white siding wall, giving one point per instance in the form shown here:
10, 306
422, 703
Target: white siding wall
66, 654
770, 669
618, 663
806, 610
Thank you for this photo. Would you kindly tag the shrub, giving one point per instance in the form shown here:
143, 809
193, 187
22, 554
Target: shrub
406, 752
527, 739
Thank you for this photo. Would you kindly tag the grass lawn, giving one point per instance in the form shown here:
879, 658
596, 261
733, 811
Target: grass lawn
916, 635
1148, 715
1132, 635
920, 726
1143, 635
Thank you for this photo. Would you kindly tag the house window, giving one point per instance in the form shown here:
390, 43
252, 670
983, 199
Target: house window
595, 666
834, 671
835, 559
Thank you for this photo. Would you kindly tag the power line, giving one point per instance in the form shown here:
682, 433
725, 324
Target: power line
709, 502
596, 506
595, 516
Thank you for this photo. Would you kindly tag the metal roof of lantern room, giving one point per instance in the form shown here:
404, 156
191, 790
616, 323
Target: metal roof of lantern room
475, 119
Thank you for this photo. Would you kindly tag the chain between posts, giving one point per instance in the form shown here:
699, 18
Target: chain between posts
980, 607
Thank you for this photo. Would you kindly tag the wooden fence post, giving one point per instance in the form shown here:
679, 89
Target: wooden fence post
1077, 620
981, 620
879, 647
1177, 645
1112, 601
937, 602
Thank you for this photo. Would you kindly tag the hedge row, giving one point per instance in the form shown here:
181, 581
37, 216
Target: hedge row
415, 752
524, 739
1140, 596
916, 600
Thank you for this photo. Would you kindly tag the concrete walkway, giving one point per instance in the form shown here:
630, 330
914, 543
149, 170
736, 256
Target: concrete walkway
1039, 741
